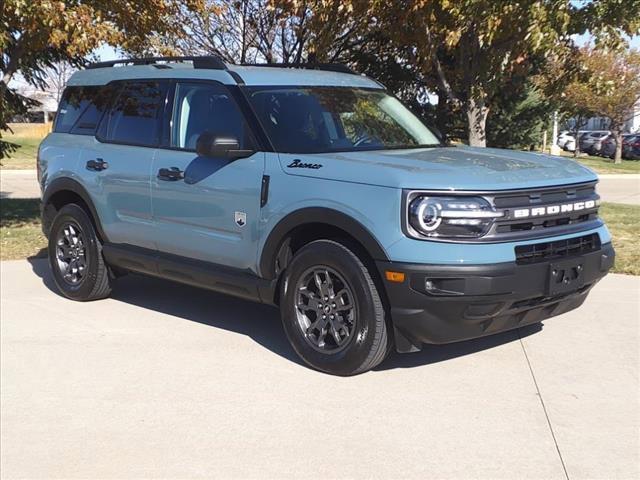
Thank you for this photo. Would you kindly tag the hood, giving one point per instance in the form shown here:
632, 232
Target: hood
442, 168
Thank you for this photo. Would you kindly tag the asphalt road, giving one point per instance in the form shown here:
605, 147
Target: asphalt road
168, 381
623, 188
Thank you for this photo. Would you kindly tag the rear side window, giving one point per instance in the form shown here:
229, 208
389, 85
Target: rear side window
81, 109
74, 102
134, 118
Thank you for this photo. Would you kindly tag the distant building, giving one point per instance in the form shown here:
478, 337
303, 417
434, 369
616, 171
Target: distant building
632, 125
44, 112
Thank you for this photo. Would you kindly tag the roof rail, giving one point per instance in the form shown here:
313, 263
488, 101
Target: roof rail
331, 67
213, 62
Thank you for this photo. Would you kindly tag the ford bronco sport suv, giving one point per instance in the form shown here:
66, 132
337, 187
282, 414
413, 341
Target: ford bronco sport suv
315, 190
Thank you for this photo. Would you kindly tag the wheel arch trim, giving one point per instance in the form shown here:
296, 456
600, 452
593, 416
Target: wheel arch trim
68, 184
313, 215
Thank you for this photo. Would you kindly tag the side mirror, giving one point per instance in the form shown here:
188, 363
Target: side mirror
210, 145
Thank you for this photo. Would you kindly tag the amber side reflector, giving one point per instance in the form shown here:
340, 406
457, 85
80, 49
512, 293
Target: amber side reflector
397, 277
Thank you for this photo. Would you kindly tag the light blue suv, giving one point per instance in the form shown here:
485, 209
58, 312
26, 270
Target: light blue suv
313, 189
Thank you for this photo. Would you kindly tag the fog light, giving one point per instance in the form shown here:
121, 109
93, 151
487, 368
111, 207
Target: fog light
445, 286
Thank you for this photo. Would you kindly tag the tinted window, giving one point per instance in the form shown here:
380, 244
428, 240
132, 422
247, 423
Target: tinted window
200, 108
134, 117
325, 119
90, 118
75, 101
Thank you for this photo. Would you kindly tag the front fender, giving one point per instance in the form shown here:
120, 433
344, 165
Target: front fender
309, 215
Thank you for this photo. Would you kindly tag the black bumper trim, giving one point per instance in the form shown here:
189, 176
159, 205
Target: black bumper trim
470, 301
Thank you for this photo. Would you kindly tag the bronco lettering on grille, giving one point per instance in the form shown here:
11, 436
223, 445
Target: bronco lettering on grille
554, 209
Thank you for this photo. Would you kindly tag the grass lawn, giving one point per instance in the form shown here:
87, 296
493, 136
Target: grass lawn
624, 223
605, 165
27, 137
20, 234
21, 237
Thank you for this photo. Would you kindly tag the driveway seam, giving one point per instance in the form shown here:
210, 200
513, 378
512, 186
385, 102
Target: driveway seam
544, 408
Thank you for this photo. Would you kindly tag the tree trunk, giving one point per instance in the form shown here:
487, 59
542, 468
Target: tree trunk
477, 112
617, 134
579, 124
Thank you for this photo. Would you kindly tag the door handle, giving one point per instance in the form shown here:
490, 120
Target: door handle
170, 174
97, 165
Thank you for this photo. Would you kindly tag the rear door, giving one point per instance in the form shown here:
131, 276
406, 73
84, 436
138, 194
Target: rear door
209, 208
116, 164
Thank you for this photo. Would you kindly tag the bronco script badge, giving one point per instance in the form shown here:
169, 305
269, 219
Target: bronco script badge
298, 164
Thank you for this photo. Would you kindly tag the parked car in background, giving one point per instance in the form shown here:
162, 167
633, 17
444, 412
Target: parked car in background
592, 141
608, 148
570, 145
563, 137
609, 145
631, 147
596, 148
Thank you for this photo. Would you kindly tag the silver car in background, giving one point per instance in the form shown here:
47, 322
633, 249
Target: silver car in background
592, 141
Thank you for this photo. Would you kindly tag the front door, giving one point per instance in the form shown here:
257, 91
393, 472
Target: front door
207, 208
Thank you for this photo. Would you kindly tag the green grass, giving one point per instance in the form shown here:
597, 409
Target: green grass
624, 223
27, 137
605, 165
21, 237
20, 233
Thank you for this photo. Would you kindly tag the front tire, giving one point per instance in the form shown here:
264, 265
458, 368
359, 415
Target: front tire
332, 312
75, 256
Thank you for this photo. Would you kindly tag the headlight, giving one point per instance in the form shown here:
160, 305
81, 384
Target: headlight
450, 217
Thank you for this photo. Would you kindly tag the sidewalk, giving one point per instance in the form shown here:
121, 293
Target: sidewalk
19, 184
624, 188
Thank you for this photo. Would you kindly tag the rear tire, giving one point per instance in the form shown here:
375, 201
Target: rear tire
75, 256
332, 312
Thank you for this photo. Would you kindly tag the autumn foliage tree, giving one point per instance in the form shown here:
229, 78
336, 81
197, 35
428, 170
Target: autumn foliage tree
244, 31
608, 86
470, 52
37, 35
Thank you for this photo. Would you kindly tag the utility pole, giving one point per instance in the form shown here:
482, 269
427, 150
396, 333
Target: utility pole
555, 149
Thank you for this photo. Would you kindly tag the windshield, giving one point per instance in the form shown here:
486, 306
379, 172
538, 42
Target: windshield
330, 119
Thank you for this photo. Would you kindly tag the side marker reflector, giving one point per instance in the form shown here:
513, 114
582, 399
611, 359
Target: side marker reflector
397, 277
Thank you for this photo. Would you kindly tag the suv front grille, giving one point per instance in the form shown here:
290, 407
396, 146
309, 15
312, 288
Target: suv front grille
513, 226
539, 252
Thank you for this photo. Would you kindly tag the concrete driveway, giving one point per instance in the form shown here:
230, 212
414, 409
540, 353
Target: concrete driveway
612, 188
168, 381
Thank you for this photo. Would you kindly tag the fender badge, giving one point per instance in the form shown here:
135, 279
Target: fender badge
297, 163
241, 219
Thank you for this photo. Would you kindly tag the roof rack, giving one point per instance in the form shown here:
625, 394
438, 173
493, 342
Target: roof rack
215, 62
212, 62
331, 67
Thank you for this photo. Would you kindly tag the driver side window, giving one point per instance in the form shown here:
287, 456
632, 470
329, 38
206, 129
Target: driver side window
205, 107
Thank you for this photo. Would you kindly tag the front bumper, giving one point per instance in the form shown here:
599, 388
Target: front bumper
469, 301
